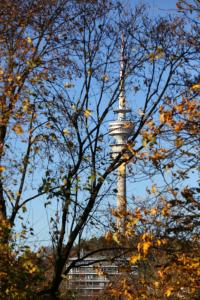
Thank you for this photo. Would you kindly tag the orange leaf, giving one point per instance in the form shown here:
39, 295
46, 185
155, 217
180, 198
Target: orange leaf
2, 168
195, 86
17, 129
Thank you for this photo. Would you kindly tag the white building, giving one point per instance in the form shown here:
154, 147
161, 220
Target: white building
91, 276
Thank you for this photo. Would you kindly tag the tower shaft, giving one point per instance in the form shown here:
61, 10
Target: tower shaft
121, 196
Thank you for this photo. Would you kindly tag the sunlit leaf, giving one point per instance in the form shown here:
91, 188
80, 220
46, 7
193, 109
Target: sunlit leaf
144, 143
68, 85
105, 77
87, 113
66, 132
134, 259
2, 168
195, 86
153, 189
168, 292
29, 40
18, 129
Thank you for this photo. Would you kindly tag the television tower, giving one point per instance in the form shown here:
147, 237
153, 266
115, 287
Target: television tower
121, 129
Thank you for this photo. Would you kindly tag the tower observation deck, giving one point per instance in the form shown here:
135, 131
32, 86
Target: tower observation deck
121, 130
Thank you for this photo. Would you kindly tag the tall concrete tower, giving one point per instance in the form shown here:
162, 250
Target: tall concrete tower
121, 129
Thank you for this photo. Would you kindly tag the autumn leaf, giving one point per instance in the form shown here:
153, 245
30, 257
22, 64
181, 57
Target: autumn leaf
108, 236
25, 105
68, 85
116, 238
105, 77
153, 189
195, 86
152, 56
2, 168
158, 242
153, 211
159, 53
134, 259
168, 292
87, 113
90, 71
165, 211
64, 181
65, 132
29, 40
144, 143
156, 284
162, 117
18, 77
179, 142
178, 126
48, 125
145, 247
128, 125
18, 129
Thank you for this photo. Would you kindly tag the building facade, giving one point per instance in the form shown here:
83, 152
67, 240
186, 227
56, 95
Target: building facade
91, 277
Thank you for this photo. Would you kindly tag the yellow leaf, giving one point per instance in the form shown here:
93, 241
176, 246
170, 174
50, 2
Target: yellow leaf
64, 181
156, 284
144, 143
29, 40
146, 246
168, 292
25, 105
158, 242
159, 53
153, 189
116, 238
18, 77
17, 129
105, 77
134, 259
65, 132
32, 270
165, 211
10, 78
152, 56
2, 168
87, 113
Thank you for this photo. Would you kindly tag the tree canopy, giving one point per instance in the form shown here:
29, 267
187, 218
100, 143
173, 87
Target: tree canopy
59, 83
